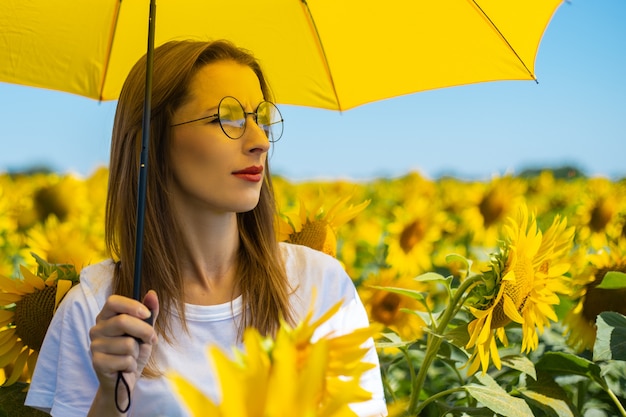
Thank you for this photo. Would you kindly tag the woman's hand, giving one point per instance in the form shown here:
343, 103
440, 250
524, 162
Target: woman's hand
115, 347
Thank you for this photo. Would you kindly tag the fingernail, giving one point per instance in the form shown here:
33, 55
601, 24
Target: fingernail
144, 313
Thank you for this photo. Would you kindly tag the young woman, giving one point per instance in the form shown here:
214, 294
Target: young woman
211, 262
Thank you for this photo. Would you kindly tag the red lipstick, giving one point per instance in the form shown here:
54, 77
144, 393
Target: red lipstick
252, 173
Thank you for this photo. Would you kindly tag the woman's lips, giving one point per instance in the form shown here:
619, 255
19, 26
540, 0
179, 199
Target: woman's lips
252, 174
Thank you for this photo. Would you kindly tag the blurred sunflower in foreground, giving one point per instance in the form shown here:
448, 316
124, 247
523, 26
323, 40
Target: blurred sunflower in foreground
26, 308
590, 301
317, 227
522, 286
287, 376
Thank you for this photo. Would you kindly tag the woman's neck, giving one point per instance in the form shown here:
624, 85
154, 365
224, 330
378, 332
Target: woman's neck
209, 259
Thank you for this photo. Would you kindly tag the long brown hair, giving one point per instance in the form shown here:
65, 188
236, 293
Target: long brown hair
261, 274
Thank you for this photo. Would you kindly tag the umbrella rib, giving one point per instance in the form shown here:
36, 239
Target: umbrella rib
109, 51
506, 41
321, 45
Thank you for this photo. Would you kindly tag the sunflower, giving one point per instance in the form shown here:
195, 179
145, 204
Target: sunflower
580, 322
316, 227
9, 238
597, 216
391, 309
288, 376
522, 286
66, 242
491, 205
412, 235
27, 305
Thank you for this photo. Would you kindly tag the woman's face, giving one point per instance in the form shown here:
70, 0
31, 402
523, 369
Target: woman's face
212, 171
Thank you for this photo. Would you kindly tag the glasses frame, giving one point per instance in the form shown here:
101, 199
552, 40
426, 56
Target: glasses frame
254, 114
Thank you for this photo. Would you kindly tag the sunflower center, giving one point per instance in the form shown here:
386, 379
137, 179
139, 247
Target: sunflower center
314, 235
491, 208
598, 300
517, 290
385, 306
411, 235
33, 314
50, 200
601, 215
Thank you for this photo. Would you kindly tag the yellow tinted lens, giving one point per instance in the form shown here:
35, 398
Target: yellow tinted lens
270, 120
232, 117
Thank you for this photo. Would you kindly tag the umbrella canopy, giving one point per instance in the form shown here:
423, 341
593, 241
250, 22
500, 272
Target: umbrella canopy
333, 54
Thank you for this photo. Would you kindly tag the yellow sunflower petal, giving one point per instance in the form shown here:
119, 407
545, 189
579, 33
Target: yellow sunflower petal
32, 361
495, 356
511, 311
256, 372
307, 330
311, 378
12, 353
484, 357
9, 298
11, 285
63, 286
283, 376
230, 376
32, 279
485, 332
18, 368
7, 336
51, 279
196, 401
474, 362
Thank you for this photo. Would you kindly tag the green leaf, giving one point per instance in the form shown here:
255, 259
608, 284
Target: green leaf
430, 276
569, 364
458, 336
455, 257
520, 363
550, 406
494, 397
416, 295
64, 271
613, 280
545, 394
394, 341
610, 337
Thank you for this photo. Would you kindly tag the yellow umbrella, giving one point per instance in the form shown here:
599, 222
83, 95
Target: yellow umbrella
334, 54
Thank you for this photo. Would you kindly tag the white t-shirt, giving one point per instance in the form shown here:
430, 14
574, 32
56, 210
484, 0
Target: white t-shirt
64, 382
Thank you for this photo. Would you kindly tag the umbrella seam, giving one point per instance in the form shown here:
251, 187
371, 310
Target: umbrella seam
109, 52
321, 45
506, 41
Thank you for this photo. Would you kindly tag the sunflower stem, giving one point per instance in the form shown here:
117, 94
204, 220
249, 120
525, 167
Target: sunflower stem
410, 362
435, 338
618, 404
436, 396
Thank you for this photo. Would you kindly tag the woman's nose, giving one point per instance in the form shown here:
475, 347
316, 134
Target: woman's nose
256, 138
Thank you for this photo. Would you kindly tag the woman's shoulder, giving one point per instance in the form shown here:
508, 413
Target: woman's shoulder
313, 272
95, 285
299, 256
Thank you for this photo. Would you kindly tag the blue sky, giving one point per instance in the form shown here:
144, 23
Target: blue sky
575, 115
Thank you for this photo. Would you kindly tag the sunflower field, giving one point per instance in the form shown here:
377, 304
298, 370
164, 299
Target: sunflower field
504, 296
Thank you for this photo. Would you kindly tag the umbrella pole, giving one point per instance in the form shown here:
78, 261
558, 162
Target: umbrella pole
141, 193
143, 163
